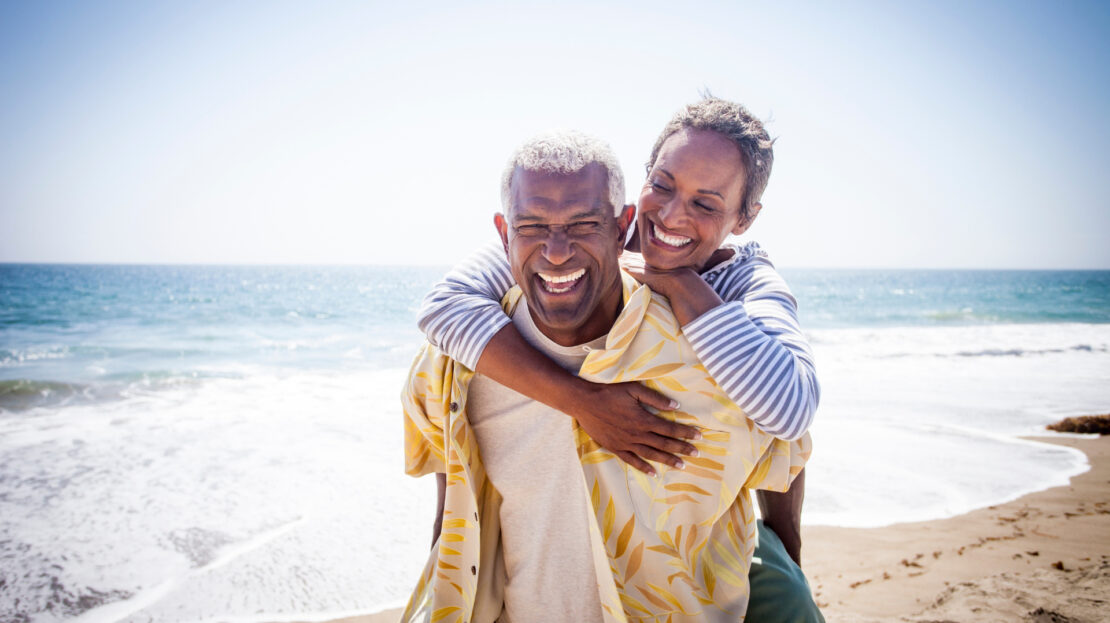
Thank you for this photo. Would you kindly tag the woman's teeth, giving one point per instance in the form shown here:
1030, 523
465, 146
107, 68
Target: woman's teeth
561, 283
674, 241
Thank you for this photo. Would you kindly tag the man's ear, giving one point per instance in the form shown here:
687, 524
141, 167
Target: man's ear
743, 225
503, 229
624, 221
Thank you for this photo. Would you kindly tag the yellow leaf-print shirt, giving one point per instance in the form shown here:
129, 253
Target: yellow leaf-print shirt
672, 548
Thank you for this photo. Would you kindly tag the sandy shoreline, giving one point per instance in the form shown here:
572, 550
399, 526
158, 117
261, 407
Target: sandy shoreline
1043, 558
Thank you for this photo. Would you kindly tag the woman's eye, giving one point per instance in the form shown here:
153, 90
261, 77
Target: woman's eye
705, 207
659, 187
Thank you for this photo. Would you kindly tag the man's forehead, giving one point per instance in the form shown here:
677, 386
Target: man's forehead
584, 190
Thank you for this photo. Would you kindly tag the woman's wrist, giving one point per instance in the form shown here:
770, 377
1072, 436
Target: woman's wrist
573, 397
690, 296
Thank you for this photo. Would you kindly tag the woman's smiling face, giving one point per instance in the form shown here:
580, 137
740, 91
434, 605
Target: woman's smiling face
691, 200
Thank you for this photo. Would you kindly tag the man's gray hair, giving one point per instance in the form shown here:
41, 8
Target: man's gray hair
565, 151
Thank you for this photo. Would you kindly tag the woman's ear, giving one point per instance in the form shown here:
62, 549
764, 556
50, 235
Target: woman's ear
744, 223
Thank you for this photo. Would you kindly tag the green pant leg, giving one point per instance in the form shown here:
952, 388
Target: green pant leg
779, 591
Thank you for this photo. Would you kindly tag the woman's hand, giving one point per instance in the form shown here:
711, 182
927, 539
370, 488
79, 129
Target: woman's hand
616, 418
633, 264
689, 295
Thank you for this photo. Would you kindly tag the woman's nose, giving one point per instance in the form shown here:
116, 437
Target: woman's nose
671, 213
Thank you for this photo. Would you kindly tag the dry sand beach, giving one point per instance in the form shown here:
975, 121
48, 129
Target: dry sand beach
1043, 558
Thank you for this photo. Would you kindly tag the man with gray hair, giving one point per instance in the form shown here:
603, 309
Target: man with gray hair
565, 152
536, 520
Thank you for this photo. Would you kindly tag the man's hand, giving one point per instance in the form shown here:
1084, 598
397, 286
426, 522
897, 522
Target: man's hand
616, 418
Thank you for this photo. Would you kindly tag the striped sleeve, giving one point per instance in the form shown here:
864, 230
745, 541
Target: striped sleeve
754, 348
463, 311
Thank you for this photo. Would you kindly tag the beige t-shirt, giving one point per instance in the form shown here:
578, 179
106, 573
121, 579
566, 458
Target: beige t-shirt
529, 453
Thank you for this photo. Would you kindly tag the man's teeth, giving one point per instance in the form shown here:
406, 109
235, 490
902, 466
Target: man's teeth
674, 241
553, 282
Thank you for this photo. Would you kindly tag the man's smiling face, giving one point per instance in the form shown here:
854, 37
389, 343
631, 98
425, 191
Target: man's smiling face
563, 242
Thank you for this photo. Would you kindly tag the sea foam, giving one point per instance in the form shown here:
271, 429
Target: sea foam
911, 427
279, 495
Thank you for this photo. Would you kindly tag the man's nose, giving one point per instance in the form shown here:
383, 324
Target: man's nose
557, 249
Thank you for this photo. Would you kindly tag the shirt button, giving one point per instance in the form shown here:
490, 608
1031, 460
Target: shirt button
454, 407
473, 570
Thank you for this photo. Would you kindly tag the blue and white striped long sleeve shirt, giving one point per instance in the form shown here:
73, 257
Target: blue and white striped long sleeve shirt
751, 345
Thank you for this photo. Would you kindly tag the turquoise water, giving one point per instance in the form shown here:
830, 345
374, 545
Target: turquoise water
210, 443
892, 298
72, 333
76, 332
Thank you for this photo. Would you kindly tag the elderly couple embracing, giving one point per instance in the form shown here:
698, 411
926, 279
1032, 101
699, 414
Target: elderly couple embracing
607, 385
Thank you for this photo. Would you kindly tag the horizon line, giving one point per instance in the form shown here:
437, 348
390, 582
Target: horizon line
448, 265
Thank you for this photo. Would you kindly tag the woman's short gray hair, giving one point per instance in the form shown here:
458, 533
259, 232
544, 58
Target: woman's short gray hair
564, 151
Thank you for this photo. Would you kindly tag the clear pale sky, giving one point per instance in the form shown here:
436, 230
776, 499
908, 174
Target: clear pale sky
909, 134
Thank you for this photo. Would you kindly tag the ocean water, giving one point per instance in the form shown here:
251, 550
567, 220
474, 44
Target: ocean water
223, 443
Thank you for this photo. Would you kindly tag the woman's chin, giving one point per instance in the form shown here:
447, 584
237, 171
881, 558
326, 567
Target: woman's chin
663, 260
